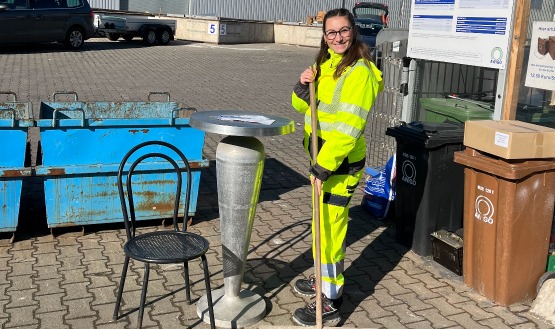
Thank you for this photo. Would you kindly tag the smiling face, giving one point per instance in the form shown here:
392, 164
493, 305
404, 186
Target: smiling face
338, 33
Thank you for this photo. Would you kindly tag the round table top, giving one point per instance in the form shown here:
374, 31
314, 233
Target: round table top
236, 123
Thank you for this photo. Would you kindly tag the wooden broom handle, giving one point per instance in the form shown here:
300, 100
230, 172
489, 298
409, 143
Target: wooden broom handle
316, 208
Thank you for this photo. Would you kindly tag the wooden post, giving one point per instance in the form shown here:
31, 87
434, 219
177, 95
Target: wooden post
516, 59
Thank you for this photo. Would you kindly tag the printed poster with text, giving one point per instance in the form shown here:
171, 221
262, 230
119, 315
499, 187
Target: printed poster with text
471, 32
541, 63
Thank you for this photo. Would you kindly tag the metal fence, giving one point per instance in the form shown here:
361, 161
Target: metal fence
387, 110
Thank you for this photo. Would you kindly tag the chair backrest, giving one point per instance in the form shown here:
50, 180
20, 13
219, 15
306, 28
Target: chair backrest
126, 197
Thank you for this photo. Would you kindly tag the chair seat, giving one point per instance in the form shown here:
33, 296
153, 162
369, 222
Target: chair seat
166, 247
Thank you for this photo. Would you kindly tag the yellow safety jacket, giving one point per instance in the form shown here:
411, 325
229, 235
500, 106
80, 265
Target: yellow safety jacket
343, 108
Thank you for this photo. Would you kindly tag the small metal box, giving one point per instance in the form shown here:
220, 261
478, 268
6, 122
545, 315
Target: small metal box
447, 250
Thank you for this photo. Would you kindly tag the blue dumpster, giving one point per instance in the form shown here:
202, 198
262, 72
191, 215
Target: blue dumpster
83, 144
15, 118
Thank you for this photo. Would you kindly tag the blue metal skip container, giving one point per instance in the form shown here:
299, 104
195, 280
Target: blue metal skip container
83, 144
15, 119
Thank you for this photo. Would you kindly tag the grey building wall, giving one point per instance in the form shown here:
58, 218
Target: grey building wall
298, 10
179, 7
289, 10
105, 4
284, 10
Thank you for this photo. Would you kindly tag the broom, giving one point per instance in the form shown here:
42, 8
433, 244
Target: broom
316, 208
316, 216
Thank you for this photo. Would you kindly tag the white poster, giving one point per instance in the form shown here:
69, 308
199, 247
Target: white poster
472, 32
541, 64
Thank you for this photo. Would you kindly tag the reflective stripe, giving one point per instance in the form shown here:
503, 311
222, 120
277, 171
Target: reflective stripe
322, 126
333, 270
348, 130
327, 108
336, 200
355, 110
330, 290
341, 81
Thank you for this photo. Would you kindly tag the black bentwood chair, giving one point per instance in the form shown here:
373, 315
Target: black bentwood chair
162, 247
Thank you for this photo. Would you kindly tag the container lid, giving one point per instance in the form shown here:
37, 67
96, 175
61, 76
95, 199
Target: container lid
16, 114
504, 168
450, 238
458, 109
428, 134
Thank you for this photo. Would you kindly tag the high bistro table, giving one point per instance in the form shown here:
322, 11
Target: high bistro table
239, 166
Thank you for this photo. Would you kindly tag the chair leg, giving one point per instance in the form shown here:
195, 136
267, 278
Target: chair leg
143, 296
187, 282
208, 292
120, 289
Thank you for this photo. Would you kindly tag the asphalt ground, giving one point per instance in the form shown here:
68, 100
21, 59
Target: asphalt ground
68, 278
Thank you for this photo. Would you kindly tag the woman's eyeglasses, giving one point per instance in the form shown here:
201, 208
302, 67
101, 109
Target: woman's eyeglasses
344, 32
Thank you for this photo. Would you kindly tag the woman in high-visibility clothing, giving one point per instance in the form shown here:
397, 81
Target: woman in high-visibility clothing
347, 84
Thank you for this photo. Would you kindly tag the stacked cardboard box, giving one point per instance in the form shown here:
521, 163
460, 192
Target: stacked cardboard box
510, 139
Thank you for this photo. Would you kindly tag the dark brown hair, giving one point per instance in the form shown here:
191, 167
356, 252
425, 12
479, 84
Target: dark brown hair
356, 51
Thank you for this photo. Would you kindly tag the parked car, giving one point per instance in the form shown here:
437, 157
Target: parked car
370, 18
67, 21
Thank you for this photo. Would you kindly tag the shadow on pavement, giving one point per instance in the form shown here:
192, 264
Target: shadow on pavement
278, 178
269, 275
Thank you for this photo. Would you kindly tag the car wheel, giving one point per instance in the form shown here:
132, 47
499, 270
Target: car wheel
113, 36
74, 38
149, 38
164, 37
127, 38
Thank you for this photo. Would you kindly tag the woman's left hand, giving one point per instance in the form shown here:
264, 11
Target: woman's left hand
317, 184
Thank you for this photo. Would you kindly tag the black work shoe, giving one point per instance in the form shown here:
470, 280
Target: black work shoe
306, 287
306, 316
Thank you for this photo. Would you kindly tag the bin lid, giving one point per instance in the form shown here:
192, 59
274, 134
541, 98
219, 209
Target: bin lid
458, 109
504, 168
428, 134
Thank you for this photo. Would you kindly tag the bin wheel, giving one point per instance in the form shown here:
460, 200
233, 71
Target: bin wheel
546, 276
149, 38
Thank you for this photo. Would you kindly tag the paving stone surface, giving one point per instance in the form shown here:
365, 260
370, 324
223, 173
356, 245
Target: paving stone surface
68, 278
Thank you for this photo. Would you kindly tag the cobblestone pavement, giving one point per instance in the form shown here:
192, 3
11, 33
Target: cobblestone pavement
69, 279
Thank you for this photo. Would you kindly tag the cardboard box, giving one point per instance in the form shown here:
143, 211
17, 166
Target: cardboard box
510, 139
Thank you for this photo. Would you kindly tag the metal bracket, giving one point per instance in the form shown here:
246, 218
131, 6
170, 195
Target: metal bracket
9, 93
65, 109
173, 115
158, 93
64, 93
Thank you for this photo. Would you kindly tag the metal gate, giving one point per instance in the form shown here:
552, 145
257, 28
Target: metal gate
387, 110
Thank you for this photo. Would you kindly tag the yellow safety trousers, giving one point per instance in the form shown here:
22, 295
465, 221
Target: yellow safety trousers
334, 217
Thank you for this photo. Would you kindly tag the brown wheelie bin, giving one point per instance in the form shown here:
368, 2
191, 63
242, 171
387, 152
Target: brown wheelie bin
508, 209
